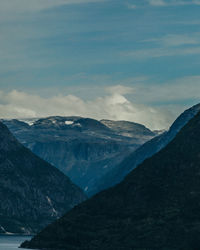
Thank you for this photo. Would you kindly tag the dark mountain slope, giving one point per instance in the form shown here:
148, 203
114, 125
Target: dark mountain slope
148, 149
157, 206
84, 149
32, 192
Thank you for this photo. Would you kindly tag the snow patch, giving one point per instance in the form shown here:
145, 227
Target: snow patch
54, 212
53, 121
77, 124
3, 229
30, 122
8, 233
127, 134
69, 122
49, 200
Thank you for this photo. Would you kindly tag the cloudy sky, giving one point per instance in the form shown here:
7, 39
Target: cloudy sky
135, 60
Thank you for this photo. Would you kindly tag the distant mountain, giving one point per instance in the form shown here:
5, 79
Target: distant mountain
32, 192
82, 148
157, 206
145, 151
129, 129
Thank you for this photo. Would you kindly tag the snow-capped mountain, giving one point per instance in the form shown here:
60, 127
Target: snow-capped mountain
84, 149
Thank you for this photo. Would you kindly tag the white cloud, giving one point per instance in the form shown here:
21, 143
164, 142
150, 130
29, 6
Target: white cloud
173, 2
177, 91
16, 104
165, 3
37, 5
177, 39
132, 6
157, 2
167, 46
145, 54
154, 105
197, 2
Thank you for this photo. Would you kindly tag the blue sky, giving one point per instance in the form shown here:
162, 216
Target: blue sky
140, 57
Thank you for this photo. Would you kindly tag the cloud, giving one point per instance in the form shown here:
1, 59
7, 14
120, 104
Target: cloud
37, 5
189, 22
154, 105
146, 54
119, 89
179, 90
116, 106
163, 3
171, 40
168, 46
132, 6
157, 2
166, 3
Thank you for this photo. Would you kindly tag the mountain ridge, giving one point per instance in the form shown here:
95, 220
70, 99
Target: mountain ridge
82, 148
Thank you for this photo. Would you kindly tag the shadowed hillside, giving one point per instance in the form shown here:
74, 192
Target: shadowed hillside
157, 206
33, 193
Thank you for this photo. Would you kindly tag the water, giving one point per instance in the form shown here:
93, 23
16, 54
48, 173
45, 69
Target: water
12, 242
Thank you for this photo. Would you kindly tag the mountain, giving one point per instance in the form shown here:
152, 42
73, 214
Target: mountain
129, 129
157, 206
33, 193
148, 149
84, 149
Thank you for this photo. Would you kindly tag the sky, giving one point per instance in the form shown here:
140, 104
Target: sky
135, 60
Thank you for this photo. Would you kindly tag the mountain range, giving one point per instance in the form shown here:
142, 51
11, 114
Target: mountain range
82, 148
157, 206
